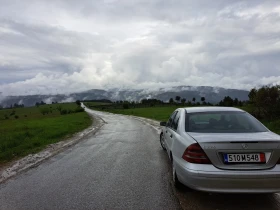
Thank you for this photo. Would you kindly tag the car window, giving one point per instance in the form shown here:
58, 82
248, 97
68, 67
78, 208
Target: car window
171, 119
222, 122
243, 122
175, 122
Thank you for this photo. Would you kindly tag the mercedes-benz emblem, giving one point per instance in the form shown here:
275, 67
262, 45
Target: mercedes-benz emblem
244, 146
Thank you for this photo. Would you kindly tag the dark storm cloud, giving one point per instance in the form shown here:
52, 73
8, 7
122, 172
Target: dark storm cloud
76, 45
27, 50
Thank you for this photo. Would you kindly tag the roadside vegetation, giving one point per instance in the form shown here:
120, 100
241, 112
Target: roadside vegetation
263, 103
95, 103
29, 130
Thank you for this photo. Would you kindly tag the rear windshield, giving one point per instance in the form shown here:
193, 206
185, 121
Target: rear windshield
222, 122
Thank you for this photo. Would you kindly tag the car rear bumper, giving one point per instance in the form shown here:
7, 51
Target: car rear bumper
212, 179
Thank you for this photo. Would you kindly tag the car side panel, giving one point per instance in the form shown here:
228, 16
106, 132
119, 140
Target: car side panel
165, 135
168, 140
181, 140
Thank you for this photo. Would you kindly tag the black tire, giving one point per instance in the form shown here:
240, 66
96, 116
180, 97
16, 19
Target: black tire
162, 143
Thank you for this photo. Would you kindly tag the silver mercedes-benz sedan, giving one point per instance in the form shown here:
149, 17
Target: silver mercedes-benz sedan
221, 149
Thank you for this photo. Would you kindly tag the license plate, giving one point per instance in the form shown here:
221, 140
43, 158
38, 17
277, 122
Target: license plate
245, 158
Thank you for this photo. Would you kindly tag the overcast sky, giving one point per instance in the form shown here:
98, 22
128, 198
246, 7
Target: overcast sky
62, 46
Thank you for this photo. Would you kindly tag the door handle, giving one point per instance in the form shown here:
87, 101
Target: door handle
171, 136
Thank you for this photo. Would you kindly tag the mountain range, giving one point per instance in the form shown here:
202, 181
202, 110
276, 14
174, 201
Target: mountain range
211, 94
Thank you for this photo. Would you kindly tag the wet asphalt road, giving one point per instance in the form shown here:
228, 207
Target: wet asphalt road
122, 166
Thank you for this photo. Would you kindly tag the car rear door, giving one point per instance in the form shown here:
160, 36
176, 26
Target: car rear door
173, 128
168, 130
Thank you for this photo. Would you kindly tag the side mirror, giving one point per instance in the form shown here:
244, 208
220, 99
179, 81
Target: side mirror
162, 123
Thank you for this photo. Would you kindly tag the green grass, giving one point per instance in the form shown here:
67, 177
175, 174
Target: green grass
35, 112
163, 113
32, 131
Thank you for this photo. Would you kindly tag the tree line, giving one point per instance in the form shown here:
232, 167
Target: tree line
265, 102
183, 101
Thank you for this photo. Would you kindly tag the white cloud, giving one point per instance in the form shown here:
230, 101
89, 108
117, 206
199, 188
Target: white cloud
62, 47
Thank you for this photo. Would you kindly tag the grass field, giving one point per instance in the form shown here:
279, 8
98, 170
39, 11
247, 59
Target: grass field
163, 113
27, 130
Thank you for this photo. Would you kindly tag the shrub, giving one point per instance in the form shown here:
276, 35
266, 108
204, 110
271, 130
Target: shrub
16, 116
59, 108
79, 109
45, 111
125, 106
64, 111
13, 113
78, 102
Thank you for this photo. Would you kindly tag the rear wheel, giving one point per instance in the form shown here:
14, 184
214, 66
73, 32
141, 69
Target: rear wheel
176, 181
162, 143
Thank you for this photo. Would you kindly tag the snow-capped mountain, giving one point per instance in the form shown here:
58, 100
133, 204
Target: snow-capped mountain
212, 94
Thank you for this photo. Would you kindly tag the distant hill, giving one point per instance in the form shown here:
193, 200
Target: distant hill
212, 95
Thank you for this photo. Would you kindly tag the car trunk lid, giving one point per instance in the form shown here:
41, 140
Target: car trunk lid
217, 146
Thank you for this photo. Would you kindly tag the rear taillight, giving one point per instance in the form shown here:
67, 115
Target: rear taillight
195, 154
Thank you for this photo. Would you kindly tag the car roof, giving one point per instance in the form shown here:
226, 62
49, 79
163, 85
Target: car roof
212, 109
